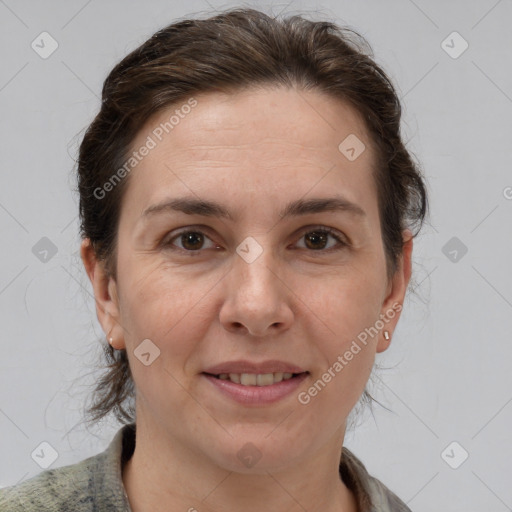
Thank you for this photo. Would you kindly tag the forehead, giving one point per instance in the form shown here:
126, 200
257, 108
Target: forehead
270, 142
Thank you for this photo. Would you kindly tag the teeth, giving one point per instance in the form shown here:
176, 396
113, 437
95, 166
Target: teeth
265, 379
252, 379
247, 379
234, 377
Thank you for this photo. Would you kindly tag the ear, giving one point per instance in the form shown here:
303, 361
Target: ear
105, 295
392, 305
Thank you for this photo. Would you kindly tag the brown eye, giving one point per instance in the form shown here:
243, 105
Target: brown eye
189, 241
192, 240
318, 239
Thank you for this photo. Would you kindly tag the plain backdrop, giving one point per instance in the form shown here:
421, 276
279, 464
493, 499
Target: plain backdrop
446, 379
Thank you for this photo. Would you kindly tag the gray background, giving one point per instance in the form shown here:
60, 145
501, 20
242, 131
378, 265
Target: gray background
447, 375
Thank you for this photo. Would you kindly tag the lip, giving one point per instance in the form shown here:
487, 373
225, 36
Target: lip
256, 395
243, 366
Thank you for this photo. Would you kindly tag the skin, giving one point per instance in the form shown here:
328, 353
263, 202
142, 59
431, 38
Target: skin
254, 152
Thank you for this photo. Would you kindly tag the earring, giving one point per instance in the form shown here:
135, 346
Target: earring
386, 335
109, 338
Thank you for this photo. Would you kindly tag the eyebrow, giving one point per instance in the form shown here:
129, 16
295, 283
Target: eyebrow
193, 206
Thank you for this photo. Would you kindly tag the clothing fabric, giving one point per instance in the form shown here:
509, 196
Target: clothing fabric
95, 484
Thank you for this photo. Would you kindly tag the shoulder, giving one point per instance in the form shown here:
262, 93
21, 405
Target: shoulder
384, 499
94, 483
64, 488
372, 495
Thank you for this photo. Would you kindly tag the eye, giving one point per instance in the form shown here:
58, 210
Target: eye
190, 240
316, 239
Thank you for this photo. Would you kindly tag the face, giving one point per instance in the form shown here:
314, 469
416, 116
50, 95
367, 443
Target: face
284, 262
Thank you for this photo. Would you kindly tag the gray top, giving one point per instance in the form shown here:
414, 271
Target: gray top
95, 484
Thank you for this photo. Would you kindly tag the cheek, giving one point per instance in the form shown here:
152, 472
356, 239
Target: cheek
164, 305
346, 366
342, 304
341, 317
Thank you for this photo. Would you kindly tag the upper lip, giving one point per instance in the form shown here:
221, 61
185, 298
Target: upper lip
241, 366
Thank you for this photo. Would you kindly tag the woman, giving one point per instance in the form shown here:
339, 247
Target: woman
247, 213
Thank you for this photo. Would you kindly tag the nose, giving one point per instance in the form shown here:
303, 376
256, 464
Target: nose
257, 298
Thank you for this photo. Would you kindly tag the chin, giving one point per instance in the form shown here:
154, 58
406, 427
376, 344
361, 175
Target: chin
255, 454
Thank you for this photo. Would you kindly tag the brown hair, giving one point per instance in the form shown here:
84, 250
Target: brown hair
228, 52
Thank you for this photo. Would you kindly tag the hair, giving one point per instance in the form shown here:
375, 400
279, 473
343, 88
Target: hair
229, 52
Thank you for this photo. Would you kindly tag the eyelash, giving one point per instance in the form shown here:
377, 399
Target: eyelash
168, 244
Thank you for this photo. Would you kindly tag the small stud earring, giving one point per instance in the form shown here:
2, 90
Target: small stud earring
386, 335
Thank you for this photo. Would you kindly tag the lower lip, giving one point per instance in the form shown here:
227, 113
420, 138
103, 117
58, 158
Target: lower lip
257, 395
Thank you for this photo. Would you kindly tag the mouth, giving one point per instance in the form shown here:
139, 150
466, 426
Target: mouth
257, 379
255, 389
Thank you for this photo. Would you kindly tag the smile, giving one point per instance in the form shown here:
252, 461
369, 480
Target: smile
253, 379
255, 388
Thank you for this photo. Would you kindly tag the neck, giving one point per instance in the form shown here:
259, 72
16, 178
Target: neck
163, 474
